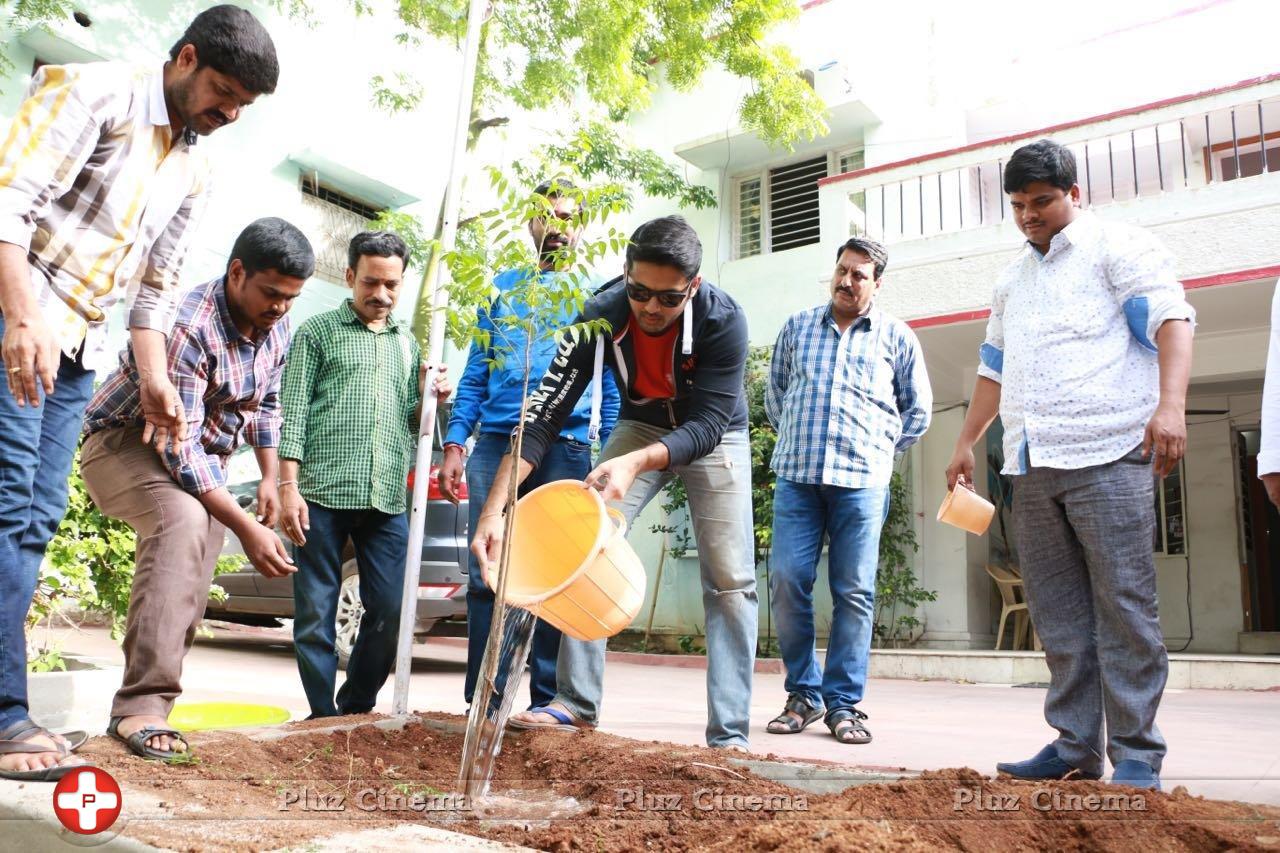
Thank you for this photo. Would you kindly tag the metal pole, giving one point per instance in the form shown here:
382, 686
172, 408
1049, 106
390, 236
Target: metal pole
439, 302
1133, 153
1159, 159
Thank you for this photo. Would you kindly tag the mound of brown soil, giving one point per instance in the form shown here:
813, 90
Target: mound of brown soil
590, 791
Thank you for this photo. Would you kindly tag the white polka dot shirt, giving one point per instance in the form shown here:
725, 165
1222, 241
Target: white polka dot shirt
1071, 340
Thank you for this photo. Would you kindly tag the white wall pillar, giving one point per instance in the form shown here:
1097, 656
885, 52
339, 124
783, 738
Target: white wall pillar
952, 562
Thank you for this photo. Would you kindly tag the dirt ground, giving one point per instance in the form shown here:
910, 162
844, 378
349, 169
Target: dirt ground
590, 791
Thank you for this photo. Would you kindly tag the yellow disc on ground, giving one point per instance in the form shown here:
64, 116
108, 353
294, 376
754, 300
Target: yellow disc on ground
198, 716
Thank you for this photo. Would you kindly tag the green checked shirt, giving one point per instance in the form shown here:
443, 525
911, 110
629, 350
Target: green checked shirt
348, 395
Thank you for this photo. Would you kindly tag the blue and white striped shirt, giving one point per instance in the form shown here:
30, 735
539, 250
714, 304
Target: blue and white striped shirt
845, 403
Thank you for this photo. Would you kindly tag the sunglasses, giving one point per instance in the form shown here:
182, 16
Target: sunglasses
666, 298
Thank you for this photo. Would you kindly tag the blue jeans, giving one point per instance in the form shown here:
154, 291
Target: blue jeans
802, 513
380, 542
37, 445
719, 489
565, 460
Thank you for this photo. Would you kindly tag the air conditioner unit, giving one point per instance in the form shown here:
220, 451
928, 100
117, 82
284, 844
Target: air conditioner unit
831, 82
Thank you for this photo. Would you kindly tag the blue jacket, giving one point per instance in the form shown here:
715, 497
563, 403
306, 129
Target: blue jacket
491, 394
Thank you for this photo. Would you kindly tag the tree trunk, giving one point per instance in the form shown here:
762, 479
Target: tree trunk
421, 325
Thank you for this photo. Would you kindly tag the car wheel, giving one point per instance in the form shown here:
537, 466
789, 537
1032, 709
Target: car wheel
350, 611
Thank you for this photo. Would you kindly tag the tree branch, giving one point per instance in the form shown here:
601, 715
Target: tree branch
480, 125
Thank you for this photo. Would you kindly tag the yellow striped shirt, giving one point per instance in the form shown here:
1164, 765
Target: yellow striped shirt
103, 199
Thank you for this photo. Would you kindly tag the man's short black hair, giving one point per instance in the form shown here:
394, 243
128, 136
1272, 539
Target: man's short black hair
232, 41
271, 243
1043, 161
384, 244
669, 241
555, 188
876, 252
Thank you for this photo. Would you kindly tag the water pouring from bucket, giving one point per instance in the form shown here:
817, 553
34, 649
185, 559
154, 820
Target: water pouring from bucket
570, 564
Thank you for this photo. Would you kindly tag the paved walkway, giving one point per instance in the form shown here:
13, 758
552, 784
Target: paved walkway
1223, 744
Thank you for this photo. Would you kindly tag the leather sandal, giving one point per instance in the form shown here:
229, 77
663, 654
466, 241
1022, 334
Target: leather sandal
785, 724
137, 742
846, 726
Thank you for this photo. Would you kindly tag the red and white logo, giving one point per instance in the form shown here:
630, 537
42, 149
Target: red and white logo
87, 801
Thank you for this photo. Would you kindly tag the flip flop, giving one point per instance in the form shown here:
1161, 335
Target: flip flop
16, 739
564, 722
137, 742
25, 729
74, 739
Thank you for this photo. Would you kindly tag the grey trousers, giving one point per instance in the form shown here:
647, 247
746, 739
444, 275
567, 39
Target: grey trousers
1085, 540
719, 489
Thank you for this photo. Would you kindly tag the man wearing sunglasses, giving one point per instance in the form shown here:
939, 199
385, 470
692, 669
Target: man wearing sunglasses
678, 349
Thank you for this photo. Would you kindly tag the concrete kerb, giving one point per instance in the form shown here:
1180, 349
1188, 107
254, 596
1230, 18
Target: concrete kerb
27, 819
1187, 671
27, 822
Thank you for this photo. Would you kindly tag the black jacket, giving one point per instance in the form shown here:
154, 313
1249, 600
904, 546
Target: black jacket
710, 395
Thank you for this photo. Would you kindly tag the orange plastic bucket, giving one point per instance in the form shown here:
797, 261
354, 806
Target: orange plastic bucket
571, 563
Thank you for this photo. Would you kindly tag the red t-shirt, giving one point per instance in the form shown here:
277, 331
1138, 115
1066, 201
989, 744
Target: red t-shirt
655, 363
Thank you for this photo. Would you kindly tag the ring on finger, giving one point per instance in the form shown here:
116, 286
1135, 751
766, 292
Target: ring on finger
17, 369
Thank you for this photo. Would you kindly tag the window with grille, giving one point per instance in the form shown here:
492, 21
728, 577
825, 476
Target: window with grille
793, 204
749, 217
1246, 161
1171, 530
331, 218
852, 161
778, 210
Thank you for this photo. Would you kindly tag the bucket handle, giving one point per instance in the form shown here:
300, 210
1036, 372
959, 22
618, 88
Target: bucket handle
619, 519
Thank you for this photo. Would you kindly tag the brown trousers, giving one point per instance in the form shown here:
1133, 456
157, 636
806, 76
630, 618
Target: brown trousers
178, 545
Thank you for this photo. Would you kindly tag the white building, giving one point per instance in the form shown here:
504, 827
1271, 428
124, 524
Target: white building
925, 101
318, 152
923, 110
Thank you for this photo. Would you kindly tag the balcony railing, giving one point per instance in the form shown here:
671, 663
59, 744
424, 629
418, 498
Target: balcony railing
1117, 161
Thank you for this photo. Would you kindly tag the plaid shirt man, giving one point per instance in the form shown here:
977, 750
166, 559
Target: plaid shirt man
229, 385
844, 404
93, 186
349, 397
